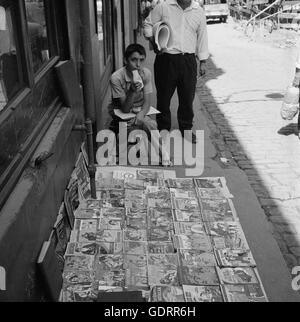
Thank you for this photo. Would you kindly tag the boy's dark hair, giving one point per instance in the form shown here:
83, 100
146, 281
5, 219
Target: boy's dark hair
133, 48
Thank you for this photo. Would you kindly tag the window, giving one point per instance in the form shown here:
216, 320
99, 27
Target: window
37, 32
10, 66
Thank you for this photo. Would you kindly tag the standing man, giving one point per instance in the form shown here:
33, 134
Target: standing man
176, 66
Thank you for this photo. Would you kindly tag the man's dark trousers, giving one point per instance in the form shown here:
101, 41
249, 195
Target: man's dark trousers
173, 71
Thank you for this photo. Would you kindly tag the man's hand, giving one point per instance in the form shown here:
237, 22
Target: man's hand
139, 119
296, 81
202, 68
154, 45
136, 87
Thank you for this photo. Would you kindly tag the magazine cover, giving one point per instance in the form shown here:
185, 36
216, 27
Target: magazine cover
125, 174
114, 278
181, 183
135, 248
193, 242
166, 294
113, 203
189, 228
155, 192
110, 236
159, 234
144, 174
183, 194
227, 235
134, 184
113, 212
169, 174
136, 203
86, 236
215, 193
111, 223
163, 259
109, 183
136, 270
159, 203
134, 194
244, 293
198, 275
196, 258
87, 213
73, 277
79, 263
84, 153
107, 263
238, 275
86, 224
218, 210
110, 248
135, 235
91, 204
62, 230
161, 248
83, 292
110, 194
186, 216
163, 275
159, 217
186, 204
82, 249
202, 294
134, 223
234, 258
211, 183
136, 213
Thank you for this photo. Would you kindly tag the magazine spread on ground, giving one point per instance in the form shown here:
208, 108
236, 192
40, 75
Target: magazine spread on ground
173, 239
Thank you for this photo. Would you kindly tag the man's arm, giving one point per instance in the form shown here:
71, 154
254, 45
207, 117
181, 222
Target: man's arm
154, 17
202, 44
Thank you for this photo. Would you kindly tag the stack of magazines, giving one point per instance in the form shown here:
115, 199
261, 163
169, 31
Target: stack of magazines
174, 240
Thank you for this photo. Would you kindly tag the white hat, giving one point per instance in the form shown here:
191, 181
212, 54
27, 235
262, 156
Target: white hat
162, 35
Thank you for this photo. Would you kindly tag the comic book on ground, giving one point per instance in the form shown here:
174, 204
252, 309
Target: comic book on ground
134, 184
196, 258
136, 213
131, 194
83, 178
136, 203
238, 275
125, 174
159, 203
136, 271
135, 248
87, 214
244, 293
165, 293
79, 263
113, 212
155, 192
161, 248
108, 263
110, 248
183, 194
73, 277
180, 183
137, 224
215, 193
202, 294
186, 216
86, 224
163, 269
218, 210
227, 235
169, 174
82, 249
160, 218
83, 236
71, 200
189, 228
186, 204
194, 241
234, 258
113, 203
91, 204
115, 278
83, 292
212, 183
110, 236
145, 174
135, 235
110, 194
159, 234
111, 223
189, 275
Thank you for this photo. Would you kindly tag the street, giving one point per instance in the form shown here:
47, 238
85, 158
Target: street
241, 98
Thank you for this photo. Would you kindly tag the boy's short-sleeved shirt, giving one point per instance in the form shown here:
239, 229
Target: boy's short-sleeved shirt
120, 84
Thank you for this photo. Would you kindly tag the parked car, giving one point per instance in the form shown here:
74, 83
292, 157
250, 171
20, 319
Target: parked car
216, 9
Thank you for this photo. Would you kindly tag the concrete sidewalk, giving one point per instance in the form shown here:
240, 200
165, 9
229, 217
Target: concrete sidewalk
272, 268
